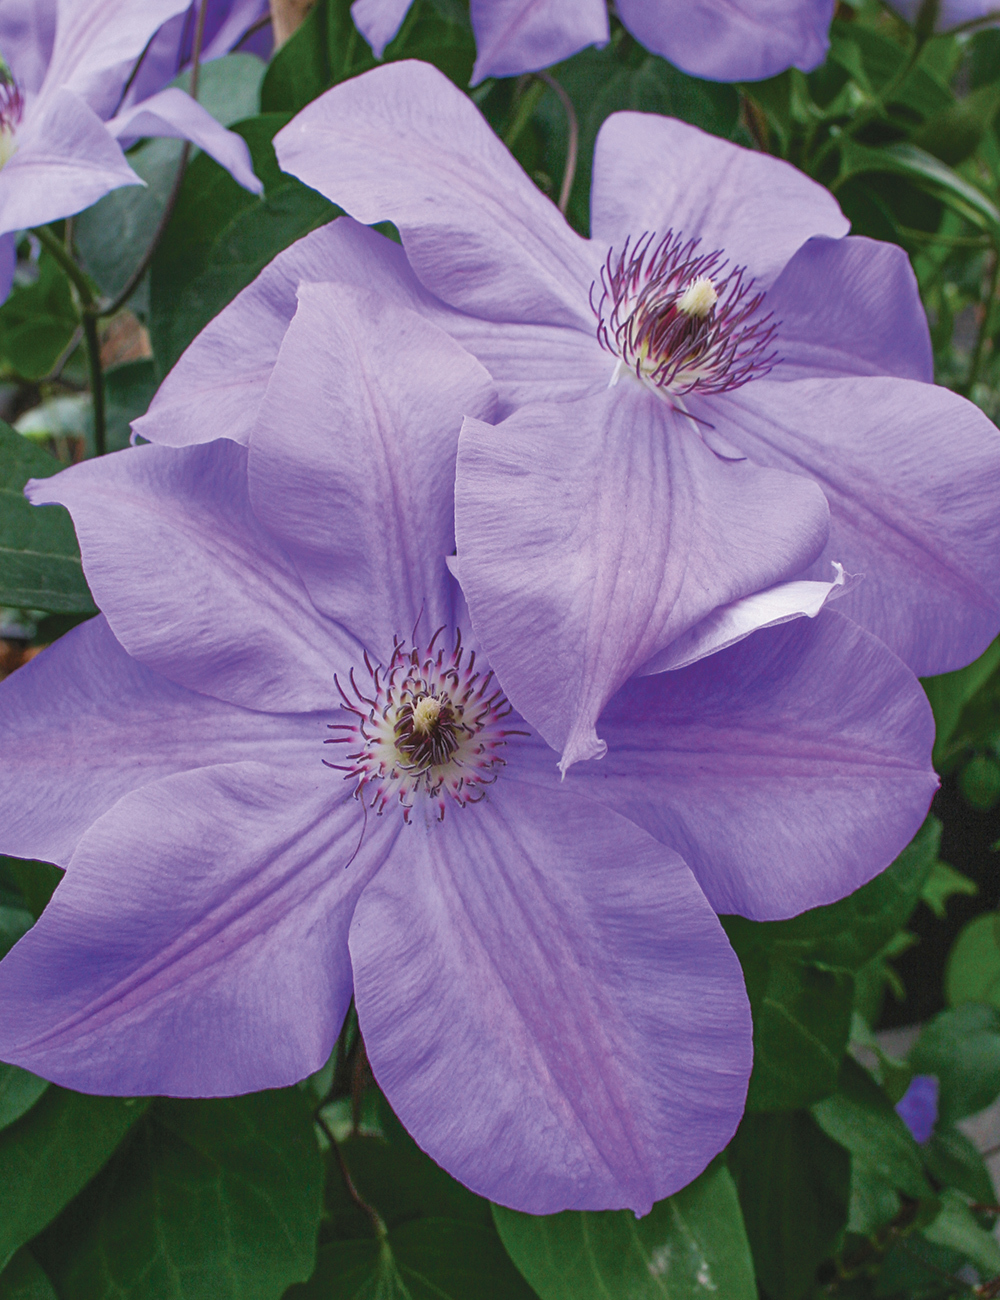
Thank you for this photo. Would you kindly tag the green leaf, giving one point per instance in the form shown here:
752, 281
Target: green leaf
951, 692
53, 1151
39, 557
979, 782
209, 1200
326, 49
37, 321
36, 882
128, 391
955, 1162
973, 970
884, 1156
24, 1279
692, 1244
793, 1183
927, 172
962, 1048
956, 1228
430, 1259
943, 883
953, 134
19, 1091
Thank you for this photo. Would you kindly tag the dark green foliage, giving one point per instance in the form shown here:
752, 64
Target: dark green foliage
37, 322
39, 557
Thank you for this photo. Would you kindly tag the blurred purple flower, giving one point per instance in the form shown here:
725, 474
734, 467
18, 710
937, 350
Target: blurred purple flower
650, 493
723, 40
537, 951
950, 13
61, 134
918, 1107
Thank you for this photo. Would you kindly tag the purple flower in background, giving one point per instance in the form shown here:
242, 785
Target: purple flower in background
61, 136
918, 1107
646, 385
229, 25
950, 13
723, 40
278, 770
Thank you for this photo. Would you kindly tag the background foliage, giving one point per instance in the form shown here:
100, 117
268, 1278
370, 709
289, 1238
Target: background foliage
316, 1192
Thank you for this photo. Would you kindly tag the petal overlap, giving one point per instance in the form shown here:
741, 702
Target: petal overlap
592, 534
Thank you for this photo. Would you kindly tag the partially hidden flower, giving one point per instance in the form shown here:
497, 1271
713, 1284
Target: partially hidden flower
61, 134
945, 15
279, 770
918, 1107
716, 329
723, 40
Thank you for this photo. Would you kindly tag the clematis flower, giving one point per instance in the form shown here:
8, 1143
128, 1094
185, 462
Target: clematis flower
948, 14
918, 1107
279, 770
61, 139
640, 375
723, 40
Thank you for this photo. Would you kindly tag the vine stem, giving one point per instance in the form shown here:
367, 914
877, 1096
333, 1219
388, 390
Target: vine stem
573, 144
376, 1220
976, 361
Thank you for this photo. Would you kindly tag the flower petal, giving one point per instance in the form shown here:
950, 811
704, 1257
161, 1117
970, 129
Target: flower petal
653, 173
174, 114
912, 475
788, 769
850, 307
732, 623
95, 36
558, 976
27, 34
592, 534
732, 40
515, 36
403, 144
378, 21
117, 726
215, 389
359, 487
197, 943
65, 160
192, 585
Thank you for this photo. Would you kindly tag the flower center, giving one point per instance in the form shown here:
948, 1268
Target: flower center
428, 725
680, 319
11, 112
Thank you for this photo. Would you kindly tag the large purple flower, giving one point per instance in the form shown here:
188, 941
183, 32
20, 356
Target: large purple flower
724, 40
537, 950
636, 507
61, 136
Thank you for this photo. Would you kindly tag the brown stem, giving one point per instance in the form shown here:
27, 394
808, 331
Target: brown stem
376, 1220
573, 144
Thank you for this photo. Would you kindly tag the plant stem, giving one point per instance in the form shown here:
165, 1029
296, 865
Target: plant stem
93, 346
573, 143
376, 1220
526, 105
59, 251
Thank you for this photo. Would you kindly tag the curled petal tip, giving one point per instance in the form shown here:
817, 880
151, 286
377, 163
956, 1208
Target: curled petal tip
579, 749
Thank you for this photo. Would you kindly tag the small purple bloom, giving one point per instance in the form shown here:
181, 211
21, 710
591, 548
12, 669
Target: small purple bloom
918, 1107
279, 770
723, 40
685, 396
950, 13
61, 136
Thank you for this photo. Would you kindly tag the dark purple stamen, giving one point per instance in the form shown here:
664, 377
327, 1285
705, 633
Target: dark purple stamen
11, 101
639, 320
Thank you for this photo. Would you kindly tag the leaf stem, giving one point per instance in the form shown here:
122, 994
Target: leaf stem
376, 1220
573, 144
92, 344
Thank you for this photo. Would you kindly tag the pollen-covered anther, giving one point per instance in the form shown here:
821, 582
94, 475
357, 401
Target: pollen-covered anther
426, 726
682, 321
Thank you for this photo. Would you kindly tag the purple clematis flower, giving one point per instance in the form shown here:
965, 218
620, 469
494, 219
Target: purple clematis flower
61, 136
645, 379
949, 13
229, 25
538, 948
723, 40
918, 1107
